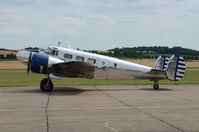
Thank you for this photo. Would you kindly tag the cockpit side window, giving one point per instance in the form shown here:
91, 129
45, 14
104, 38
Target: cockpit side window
53, 52
56, 52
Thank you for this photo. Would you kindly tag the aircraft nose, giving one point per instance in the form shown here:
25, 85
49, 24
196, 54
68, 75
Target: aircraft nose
23, 56
18, 54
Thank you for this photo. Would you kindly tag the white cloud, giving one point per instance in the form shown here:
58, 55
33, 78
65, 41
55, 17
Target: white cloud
15, 17
67, 32
4, 10
101, 18
74, 20
107, 21
13, 31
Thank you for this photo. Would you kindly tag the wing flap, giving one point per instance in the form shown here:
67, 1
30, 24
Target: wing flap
73, 69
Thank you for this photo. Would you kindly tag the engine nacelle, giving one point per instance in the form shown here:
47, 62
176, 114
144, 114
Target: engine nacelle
39, 63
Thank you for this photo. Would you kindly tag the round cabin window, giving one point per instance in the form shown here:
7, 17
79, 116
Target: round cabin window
103, 63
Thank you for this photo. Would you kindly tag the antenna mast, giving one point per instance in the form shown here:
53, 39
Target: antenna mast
59, 43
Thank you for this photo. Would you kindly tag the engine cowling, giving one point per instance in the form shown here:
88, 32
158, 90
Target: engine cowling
39, 63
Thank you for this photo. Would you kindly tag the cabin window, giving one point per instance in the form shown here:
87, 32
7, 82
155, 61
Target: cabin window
68, 56
79, 58
91, 61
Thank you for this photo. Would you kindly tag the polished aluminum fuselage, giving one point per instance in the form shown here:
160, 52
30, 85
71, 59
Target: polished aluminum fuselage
105, 67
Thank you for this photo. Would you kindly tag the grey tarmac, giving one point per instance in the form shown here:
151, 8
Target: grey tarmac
114, 108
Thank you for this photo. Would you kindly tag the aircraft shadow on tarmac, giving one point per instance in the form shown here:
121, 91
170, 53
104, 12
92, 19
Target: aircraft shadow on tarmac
70, 91
161, 89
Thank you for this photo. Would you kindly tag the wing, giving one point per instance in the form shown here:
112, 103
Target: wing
73, 69
86, 70
115, 73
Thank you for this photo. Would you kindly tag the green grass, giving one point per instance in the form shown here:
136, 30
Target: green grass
8, 59
22, 79
192, 67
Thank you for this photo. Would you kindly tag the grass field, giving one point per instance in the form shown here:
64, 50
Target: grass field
13, 78
8, 59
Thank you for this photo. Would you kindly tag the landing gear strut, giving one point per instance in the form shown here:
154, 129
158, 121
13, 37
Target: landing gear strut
46, 85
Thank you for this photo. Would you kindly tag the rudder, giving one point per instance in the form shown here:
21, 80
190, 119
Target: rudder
176, 68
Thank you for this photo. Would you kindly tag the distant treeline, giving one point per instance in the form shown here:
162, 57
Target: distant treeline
7, 57
150, 52
11, 56
131, 52
8, 50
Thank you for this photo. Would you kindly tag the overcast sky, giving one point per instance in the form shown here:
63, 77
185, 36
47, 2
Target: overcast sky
99, 24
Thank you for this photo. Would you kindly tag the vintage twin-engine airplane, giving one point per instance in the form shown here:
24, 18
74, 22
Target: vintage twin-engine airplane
57, 62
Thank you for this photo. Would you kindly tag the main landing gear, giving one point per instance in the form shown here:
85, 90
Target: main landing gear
46, 85
155, 86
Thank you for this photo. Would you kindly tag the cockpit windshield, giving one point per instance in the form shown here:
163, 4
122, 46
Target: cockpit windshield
51, 51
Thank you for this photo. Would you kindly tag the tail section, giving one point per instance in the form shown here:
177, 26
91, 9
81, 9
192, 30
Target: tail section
162, 63
176, 68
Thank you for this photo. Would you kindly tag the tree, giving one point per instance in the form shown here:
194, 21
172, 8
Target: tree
1, 56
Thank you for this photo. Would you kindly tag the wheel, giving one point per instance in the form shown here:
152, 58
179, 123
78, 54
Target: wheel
156, 86
46, 85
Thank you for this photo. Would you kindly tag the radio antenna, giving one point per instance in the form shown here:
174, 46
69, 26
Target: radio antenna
59, 43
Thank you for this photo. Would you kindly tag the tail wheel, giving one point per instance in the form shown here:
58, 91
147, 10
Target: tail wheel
156, 86
46, 85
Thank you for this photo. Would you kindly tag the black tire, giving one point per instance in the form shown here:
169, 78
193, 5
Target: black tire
155, 86
46, 85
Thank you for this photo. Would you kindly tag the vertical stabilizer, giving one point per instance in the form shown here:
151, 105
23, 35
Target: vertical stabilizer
162, 63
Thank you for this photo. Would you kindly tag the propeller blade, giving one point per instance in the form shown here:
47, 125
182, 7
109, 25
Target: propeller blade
29, 62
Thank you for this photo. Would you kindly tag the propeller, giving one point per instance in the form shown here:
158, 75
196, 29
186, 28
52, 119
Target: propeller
29, 62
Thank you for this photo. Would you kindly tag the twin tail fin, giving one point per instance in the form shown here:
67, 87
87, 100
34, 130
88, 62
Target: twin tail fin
173, 66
